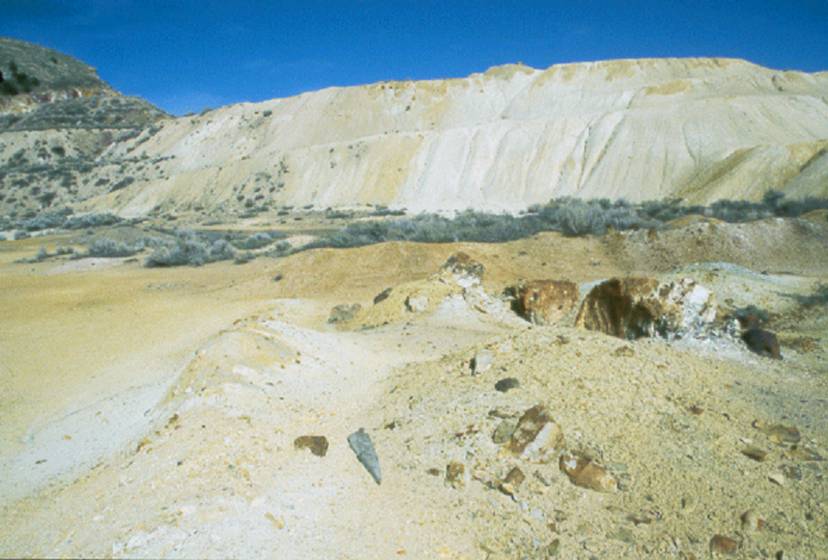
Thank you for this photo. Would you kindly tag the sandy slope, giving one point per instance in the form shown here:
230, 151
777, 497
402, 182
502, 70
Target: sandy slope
701, 129
211, 471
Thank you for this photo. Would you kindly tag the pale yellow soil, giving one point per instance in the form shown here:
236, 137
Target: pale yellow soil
203, 378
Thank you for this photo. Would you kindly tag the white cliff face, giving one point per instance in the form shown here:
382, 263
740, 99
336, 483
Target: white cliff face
699, 129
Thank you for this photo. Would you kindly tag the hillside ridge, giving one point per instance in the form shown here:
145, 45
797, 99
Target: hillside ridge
498, 140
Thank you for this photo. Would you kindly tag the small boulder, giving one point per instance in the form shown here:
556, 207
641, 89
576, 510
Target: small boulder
544, 302
507, 384
762, 342
467, 271
587, 474
343, 313
637, 307
482, 361
318, 445
721, 544
537, 437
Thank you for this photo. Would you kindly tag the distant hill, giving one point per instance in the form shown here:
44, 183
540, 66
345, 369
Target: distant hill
699, 129
57, 117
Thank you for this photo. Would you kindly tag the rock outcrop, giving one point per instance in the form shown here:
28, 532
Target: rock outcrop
637, 307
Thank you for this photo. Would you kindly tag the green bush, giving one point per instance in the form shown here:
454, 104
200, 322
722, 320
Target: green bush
111, 248
570, 216
257, 240
190, 249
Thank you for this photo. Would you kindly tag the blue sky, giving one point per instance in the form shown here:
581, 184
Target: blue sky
187, 55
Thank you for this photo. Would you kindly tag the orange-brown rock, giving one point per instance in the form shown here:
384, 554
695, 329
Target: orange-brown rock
619, 307
537, 437
635, 307
545, 301
587, 474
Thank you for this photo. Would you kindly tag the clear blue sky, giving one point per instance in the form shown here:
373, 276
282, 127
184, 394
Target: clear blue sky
187, 55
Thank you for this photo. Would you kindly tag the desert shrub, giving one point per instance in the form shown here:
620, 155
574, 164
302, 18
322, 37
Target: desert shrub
257, 240
567, 215
41, 255
190, 249
46, 220
337, 215
84, 221
111, 248
582, 219
122, 184
244, 258
281, 249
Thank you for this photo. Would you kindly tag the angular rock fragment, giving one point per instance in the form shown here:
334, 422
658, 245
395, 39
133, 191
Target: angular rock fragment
455, 474
636, 307
482, 361
762, 342
537, 437
318, 445
507, 384
504, 431
721, 544
382, 296
343, 312
363, 448
544, 302
751, 521
587, 474
754, 453
512, 482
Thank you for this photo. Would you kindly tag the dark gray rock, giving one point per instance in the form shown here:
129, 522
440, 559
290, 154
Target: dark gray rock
762, 342
363, 448
507, 384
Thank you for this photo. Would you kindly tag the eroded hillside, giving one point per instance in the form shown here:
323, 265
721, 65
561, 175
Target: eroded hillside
698, 129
